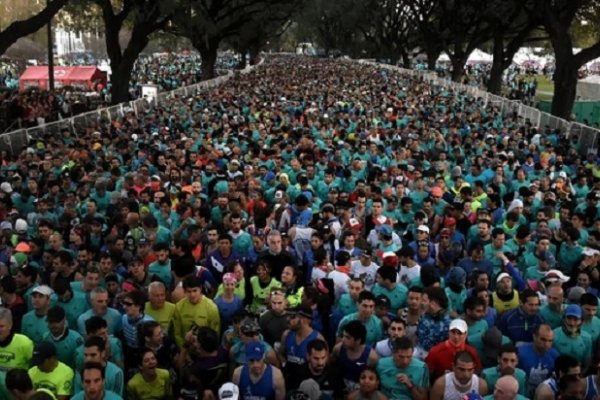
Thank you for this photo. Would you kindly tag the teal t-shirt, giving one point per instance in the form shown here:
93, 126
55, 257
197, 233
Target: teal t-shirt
162, 271
491, 375
417, 372
3, 390
346, 305
397, 295
116, 353
569, 257
592, 328
64, 346
475, 333
74, 307
113, 379
374, 328
456, 301
552, 318
242, 243
578, 347
108, 395
34, 326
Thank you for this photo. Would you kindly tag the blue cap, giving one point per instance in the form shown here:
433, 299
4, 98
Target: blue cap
269, 176
385, 230
573, 310
255, 351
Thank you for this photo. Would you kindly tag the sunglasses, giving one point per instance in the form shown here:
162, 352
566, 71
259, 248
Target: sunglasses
127, 304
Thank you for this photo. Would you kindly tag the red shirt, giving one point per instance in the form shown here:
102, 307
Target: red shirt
441, 358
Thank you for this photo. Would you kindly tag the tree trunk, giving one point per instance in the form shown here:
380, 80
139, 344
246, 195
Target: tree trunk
405, 60
209, 59
458, 67
495, 83
432, 56
565, 87
243, 60
120, 82
254, 53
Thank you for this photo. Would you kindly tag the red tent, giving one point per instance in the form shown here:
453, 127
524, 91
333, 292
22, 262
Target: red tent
81, 77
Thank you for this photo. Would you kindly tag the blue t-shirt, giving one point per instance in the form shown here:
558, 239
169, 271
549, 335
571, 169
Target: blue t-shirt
227, 310
537, 367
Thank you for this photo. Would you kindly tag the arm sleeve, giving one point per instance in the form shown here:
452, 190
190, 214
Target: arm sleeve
516, 275
215, 318
119, 383
178, 328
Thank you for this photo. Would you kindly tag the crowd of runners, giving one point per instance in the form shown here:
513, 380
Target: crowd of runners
314, 229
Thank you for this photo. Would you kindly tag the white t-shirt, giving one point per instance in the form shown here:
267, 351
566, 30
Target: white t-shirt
408, 274
367, 274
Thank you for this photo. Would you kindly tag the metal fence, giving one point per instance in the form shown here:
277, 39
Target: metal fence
584, 137
14, 142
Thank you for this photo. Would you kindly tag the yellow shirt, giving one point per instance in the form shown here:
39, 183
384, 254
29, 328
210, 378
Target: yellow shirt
59, 381
164, 316
17, 353
159, 389
204, 313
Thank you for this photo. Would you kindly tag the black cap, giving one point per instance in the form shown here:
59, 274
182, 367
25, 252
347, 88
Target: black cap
42, 352
302, 310
382, 300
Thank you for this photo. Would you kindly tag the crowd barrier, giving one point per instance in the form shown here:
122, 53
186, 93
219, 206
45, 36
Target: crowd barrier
584, 137
14, 142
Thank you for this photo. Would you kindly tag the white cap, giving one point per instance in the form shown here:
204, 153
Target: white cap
423, 228
502, 276
6, 187
459, 324
229, 391
43, 289
21, 225
556, 275
588, 251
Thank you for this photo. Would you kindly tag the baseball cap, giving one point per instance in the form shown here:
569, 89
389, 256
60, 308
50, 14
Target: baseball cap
23, 247
229, 391
6, 225
437, 191
354, 223
249, 327
573, 310
303, 311
382, 300
423, 228
502, 276
254, 351
44, 290
459, 325
449, 221
588, 251
390, 259
385, 230
6, 187
42, 352
555, 275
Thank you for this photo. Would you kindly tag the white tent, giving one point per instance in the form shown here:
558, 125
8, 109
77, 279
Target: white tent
443, 57
589, 88
479, 57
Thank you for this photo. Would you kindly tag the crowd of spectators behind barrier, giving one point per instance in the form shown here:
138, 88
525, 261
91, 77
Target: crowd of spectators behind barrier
36, 107
313, 229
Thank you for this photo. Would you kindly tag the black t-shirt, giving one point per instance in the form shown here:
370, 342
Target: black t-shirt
330, 381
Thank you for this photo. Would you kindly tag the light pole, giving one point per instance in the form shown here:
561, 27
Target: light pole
50, 54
